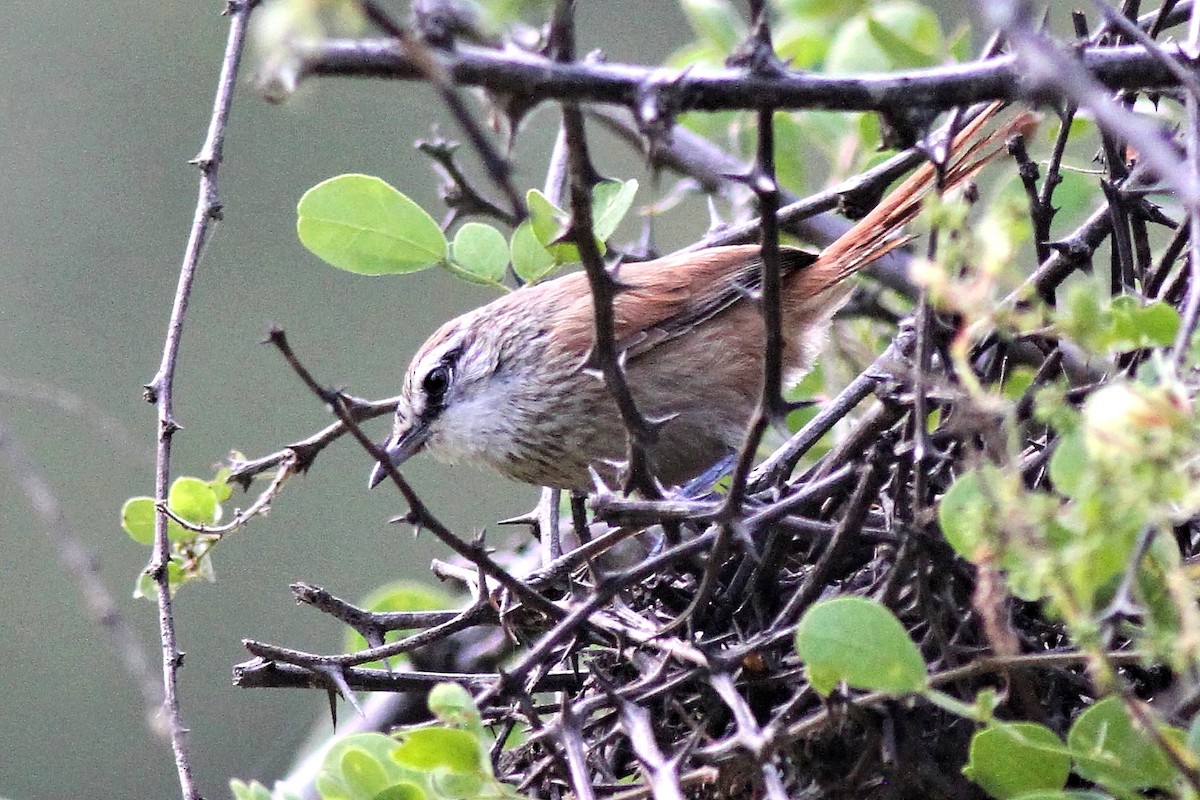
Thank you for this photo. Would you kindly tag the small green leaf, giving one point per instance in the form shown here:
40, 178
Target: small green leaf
193, 500
549, 223
962, 515
1158, 323
801, 44
362, 224
220, 485
1110, 750
902, 53
405, 790
1064, 794
362, 772
816, 10
531, 261
481, 251
459, 784
332, 782
885, 36
144, 586
611, 201
858, 641
1069, 464
249, 791
426, 749
1012, 759
453, 705
137, 518
715, 22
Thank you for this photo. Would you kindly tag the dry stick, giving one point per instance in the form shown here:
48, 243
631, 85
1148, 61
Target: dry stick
641, 432
771, 406
479, 613
613, 584
535, 78
84, 569
305, 450
159, 389
267, 673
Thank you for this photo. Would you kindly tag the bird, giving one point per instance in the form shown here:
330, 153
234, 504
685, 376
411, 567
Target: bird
508, 385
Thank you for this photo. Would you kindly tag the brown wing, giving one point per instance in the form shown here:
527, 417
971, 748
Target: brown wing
672, 295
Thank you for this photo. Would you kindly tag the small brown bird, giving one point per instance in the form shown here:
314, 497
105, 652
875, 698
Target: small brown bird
505, 385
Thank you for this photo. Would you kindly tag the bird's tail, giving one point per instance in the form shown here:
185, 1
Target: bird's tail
881, 231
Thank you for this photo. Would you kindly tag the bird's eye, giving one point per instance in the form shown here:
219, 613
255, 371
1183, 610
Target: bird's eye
435, 384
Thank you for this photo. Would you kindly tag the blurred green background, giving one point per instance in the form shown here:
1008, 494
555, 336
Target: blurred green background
101, 105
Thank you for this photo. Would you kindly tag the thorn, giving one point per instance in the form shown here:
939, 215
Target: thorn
598, 484
331, 696
408, 517
528, 518
763, 184
795, 405
1074, 248
741, 535
337, 675
715, 223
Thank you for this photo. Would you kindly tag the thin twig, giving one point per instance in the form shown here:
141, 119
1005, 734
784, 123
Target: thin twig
160, 388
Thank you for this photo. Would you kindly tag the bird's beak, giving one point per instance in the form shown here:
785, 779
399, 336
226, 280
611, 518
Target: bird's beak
399, 447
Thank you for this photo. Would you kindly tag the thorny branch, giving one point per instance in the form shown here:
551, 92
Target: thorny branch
159, 389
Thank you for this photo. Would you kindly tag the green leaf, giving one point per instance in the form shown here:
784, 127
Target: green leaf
1158, 323
193, 500
1069, 464
819, 9
481, 251
401, 791
791, 153
362, 773
144, 586
332, 782
426, 749
248, 791
460, 784
531, 261
361, 224
1064, 794
902, 53
962, 515
611, 201
220, 485
801, 44
137, 518
1110, 750
885, 36
715, 22
1012, 759
453, 705
858, 641
549, 223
